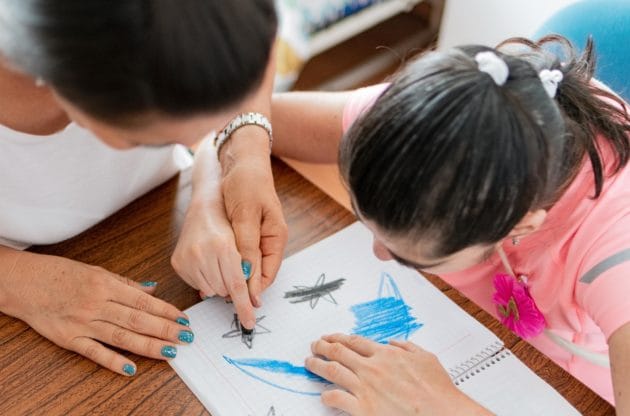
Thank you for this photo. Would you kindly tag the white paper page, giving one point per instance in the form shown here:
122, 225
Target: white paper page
509, 387
220, 370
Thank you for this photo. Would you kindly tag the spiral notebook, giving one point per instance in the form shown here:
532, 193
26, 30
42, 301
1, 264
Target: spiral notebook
337, 285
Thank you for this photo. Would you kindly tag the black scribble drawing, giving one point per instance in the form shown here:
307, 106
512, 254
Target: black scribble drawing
312, 294
247, 336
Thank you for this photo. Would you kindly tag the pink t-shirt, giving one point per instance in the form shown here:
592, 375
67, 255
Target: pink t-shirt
578, 264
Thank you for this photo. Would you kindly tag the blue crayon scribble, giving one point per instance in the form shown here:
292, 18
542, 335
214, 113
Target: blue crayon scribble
249, 365
387, 317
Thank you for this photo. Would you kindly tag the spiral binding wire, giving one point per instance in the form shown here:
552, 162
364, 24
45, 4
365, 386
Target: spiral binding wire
479, 362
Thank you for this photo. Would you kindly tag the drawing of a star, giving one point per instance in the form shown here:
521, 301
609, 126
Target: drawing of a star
247, 337
312, 294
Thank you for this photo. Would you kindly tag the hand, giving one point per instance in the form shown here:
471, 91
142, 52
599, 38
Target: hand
206, 256
207, 259
81, 308
253, 207
396, 379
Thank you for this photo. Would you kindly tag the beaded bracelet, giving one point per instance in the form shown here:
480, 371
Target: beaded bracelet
242, 120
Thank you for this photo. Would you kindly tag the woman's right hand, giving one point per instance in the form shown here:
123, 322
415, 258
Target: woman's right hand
81, 308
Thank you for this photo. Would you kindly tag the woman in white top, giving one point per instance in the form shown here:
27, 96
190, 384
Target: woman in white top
132, 73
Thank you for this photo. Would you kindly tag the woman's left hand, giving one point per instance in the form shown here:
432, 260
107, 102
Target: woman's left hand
396, 379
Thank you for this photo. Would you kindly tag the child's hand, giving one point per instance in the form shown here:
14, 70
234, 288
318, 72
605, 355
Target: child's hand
396, 379
207, 259
84, 308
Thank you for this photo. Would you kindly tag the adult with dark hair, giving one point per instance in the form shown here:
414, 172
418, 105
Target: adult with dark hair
133, 73
504, 171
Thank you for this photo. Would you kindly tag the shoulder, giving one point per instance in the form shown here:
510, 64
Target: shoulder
360, 101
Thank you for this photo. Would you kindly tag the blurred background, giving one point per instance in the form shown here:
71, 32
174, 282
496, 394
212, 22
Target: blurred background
340, 44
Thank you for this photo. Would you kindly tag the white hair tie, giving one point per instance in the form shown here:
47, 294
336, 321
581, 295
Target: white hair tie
494, 66
550, 80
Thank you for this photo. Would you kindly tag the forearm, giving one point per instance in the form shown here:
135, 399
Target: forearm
619, 350
308, 125
8, 260
206, 178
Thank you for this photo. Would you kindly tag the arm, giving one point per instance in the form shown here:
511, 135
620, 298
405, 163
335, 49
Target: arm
308, 125
82, 308
619, 351
240, 193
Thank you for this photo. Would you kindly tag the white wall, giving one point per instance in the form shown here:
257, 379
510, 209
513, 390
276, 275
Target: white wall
488, 22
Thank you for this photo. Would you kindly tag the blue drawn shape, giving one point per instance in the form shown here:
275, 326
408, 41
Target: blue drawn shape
281, 374
387, 317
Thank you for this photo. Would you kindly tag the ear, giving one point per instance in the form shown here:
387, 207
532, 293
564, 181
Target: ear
529, 224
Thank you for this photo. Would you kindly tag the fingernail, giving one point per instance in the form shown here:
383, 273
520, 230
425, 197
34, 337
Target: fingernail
258, 302
250, 324
186, 336
148, 284
169, 352
182, 321
129, 369
247, 269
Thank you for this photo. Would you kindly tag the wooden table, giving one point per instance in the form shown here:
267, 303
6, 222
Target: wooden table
39, 378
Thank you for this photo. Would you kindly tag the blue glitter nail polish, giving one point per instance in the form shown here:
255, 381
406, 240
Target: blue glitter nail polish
129, 369
182, 321
169, 352
186, 336
148, 284
247, 269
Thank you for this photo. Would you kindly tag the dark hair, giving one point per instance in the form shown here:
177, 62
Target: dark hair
116, 59
448, 154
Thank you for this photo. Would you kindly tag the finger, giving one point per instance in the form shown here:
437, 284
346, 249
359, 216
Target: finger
130, 341
137, 299
103, 356
406, 345
147, 286
255, 281
246, 224
141, 322
337, 351
341, 400
183, 272
206, 295
234, 276
356, 343
272, 243
209, 279
334, 372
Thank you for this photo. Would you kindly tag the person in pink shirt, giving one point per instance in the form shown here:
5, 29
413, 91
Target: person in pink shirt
504, 171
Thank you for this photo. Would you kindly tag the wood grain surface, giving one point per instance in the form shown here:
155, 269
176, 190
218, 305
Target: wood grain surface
39, 378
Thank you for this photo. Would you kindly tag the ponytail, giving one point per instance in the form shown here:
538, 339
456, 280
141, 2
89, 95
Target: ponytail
588, 108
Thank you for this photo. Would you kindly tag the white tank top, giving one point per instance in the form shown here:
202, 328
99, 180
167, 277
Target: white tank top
54, 187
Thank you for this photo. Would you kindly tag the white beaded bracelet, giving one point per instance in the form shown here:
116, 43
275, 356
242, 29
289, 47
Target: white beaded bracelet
242, 120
